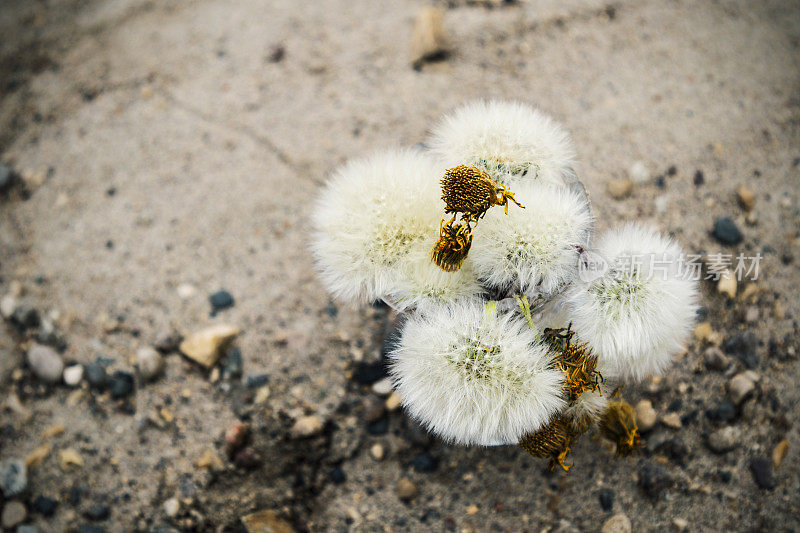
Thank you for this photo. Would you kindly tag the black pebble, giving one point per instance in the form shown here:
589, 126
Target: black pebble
725, 476
96, 375
25, 316
45, 506
91, 528
653, 479
761, 468
672, 170
743, 346
109, 244
221, 300
661, 182
726, 232
122, 384
699, 179
258, 380
338, 476
378, 427
725, 412
232, 369
97, 511
425, 462
331, 309
369, 373
606, 497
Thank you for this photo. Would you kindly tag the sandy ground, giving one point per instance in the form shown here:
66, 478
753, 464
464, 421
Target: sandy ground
163, 146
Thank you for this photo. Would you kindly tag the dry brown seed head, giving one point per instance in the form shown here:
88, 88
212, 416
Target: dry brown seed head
468, 190
580, 369
553, 440
618, 424
452, 246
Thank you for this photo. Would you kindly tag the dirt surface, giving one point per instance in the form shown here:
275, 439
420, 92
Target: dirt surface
166, 150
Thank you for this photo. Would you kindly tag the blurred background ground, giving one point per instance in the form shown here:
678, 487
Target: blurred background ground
162, 151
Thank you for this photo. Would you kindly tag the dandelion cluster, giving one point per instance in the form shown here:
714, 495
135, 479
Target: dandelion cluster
482, 241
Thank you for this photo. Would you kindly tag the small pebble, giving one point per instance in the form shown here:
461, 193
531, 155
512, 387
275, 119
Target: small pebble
45, 506
307, 426
653, 479
425, 462
247, 458
167, 341
382, 387
6, 177
25, 316
393, 401
681, 524
37, 456
338, 476
7, 305
740, 387
233, 366
121, 384
96, 375
69, 458
751, 314
646, 416
150, 363
257, 380
606, 498
13, 477
265, 521
619, 188
236, 437
716, 359
73, 375
672, 420
699, 178
725, 439
619, 523
373, 409
779, 452
98, 512
428, 40
26, 528
726, 232
744, 346
221, 300
45, 362
377, 451
747, 198
206, 346
761, 468
727, 284
638, 172
406, 489
172, 507
14, 513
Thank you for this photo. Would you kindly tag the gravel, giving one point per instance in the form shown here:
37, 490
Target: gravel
761, 468
13, 477
726, 232
46, 363
725, 439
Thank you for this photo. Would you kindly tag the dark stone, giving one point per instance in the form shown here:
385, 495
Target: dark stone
110, 244
726, 232
338, 476
724, 412
331, 309
233, 366
606, 498
96, 375
13, 477
689, 417
653, 479
699, 179
91, 528
257, 380
25, 317
672, 170
674, 449
425, 462
276, 53
74, 496
725, 476
379, 427
122, 384
45, 506
661, 182
369, 373
373, 409
6, 177
98, 512
221, 300
247, 458
743, 346
761, 468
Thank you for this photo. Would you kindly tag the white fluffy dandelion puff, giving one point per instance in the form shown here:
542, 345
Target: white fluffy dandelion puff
475, 377
420, 283
511, 141
639, 314
535, 248
370, 216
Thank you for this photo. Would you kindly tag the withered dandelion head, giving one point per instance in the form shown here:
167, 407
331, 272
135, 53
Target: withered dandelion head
618, 424
580, 370
452, 246
553, 440
470, 190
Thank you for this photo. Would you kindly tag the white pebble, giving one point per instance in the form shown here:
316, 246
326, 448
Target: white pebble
150, 363
45, 363
638, 172
73, 375
382, 387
